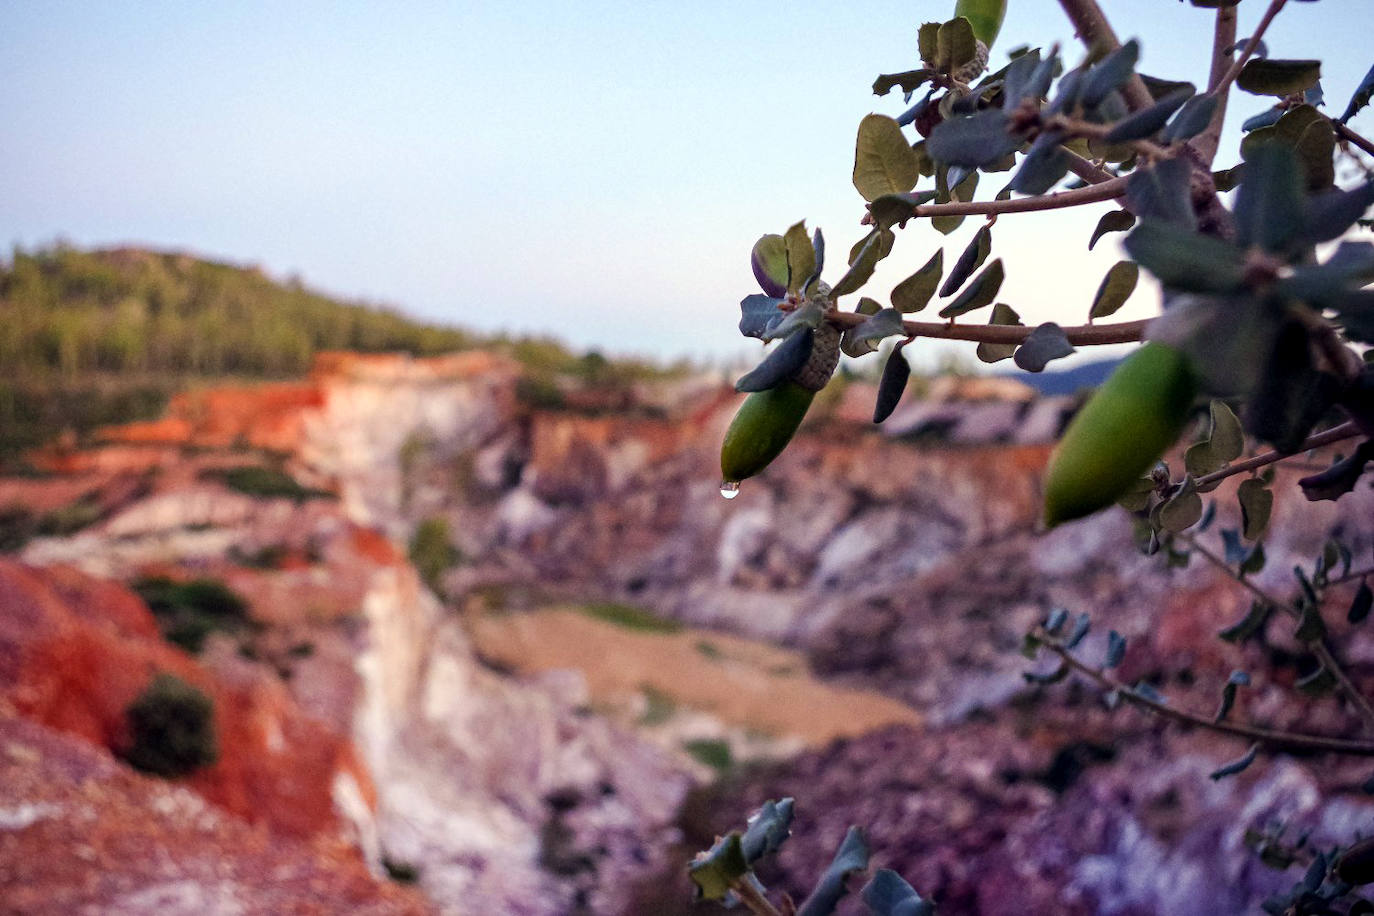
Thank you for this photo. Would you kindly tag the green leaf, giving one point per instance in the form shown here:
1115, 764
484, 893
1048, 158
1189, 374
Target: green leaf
886, 323
1254, 560
1318, 683
1147, 121
758, 313
1046, 162
1047, 342
1162, 193
887, 238
854, 348
1248, 626
1311, 627
801, 256
884, 162
1269, 207
895, 209
850, 859
780, 364
715, 870
1267, 76
1236, 766
907, 81
955, 45
980, 292
1340, 478
1116, 287
974, 142
928, 41
1256, 504
1186, 260
913, 293
1111, 221
896, 373
1182, 510
1307, 132
769, 263
1110, 74
990, 352
1360, 98
1224, 443
963, 191
1360, 607
1116, 649
973, 256
888, 894
768, 829
1329, 214
1192, 119
1137, 499
862, 269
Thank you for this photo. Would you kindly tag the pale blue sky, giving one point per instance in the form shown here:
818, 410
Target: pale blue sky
597, 171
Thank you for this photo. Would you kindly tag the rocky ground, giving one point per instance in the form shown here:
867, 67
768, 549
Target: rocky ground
491, 755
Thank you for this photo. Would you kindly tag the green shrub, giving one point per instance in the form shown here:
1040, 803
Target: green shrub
172, 729
187, 612
265, 483
630, 617
69, 519
17, 526
711, 751
432, 553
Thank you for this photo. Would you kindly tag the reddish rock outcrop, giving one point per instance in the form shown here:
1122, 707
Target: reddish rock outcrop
76, 651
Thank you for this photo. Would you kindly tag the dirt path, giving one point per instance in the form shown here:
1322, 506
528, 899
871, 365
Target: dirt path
744, 683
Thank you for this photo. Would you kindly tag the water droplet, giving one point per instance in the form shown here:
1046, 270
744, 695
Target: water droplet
729, 488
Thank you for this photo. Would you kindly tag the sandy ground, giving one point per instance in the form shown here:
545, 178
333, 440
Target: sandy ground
744, 683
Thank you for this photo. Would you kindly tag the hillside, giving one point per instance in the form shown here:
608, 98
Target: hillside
90, 338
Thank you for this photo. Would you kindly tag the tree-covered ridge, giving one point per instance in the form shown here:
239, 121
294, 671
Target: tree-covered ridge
67, 313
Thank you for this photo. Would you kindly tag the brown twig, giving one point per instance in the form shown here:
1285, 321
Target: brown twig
1223, 39
1352, 576
753, 900
1335, 434
1088, 170
1093, 193
1319, 647
1250, 45
1272, 738
1086, 335
1096, 33
1345, 133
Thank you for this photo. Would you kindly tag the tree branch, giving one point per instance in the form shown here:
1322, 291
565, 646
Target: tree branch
1348, 430
1319, 647
1223, 38
1272, 738
1086, 335
1345, 133
1352, 576
1086, 169
1097, 34
1094, 193
1229, 77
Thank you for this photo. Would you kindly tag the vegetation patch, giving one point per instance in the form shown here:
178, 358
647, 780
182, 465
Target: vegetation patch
188, 612
432, 552
712, 752
172, 729
265, 483
630, 617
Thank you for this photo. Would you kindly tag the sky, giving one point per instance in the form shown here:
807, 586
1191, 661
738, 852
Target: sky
597, 171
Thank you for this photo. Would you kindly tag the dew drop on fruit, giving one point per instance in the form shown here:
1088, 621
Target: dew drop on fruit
729, 488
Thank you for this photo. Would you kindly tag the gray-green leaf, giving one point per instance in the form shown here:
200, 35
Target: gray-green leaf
913, 293
980, 292
1116, 287
884, 162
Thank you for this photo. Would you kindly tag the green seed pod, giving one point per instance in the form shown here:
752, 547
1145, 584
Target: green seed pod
1119, 434
1356, 865
767, 420
760, 431
985, 16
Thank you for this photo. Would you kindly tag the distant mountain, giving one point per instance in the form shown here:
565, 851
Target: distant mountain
1069, 381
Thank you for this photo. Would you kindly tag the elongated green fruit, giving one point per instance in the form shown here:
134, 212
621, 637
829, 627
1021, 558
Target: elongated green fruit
984, 15
1119, 434
760, 431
